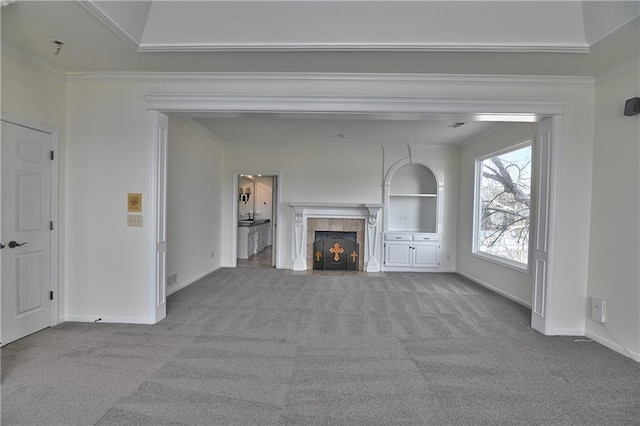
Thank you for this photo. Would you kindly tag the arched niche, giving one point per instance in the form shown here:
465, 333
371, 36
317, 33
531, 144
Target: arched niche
412, 199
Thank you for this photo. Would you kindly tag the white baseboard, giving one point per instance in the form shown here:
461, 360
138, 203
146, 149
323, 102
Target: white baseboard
567, 332
494, 289
611, 344
176, 287
106, 319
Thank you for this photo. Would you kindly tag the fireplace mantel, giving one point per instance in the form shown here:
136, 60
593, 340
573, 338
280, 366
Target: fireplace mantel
369, 212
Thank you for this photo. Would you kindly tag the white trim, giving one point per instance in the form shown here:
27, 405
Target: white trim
364, 47
353, 105
176, 287
106, 20
566, 332
338, 78
494, 289
615, 33
102, 319
58, 294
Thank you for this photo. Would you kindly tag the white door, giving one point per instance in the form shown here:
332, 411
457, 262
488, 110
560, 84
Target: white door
26, 231
542, 163
160, 212
274, 221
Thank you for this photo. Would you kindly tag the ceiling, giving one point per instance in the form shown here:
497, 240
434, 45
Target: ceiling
561, 38
268, 130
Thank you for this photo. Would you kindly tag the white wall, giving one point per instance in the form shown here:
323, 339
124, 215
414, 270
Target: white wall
108, 272
109, 133
513, 284
614, 252
331, 173
38, 96
194, 211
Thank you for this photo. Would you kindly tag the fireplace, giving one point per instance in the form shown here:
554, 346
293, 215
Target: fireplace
363, 219
335, 251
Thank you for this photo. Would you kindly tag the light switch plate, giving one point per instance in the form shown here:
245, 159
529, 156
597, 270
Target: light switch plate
134, 220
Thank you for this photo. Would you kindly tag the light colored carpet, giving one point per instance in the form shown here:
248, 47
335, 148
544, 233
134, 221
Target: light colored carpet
261, 346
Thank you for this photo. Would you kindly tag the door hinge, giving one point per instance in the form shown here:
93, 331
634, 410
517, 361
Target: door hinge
52, 155
50, 295
51, 226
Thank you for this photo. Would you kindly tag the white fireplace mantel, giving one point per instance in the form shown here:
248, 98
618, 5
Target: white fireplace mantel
369, 212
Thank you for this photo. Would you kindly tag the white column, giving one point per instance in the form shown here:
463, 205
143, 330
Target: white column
372, 264
299, 239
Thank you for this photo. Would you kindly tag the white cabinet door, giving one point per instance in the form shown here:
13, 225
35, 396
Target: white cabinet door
425, 255
397, 254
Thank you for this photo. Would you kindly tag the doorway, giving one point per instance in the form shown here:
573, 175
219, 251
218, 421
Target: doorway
29, 229
256, 219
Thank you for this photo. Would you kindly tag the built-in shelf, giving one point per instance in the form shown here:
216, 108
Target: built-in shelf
410, 239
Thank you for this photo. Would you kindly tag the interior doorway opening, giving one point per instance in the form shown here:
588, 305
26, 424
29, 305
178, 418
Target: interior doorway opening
256, 218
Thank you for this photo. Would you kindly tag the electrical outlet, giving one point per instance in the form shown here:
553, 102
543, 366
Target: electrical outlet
598, 309
134, 220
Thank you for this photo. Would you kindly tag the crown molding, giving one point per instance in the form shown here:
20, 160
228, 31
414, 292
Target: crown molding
414, 105
367, 47
629, 26
339, 78
97, 13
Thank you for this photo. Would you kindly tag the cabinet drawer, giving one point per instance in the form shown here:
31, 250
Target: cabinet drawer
426, 237
397, 237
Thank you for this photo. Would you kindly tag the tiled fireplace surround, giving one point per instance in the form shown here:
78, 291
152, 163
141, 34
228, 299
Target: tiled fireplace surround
328, 224
364, 219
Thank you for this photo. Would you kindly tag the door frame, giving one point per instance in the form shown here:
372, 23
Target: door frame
538, 108
275, 211
58, 295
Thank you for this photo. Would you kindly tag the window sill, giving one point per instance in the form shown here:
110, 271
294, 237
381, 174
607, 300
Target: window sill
502, 262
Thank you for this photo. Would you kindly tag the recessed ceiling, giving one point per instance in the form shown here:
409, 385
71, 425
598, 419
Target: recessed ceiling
558, 38
435, 37
269, 130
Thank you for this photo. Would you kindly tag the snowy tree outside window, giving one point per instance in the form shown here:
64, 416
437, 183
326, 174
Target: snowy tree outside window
503, 205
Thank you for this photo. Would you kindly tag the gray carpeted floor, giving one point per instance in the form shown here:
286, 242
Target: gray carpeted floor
261, 346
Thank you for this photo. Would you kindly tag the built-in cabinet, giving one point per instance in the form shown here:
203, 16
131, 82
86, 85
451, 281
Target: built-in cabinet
411, 241
413, 252
253, 239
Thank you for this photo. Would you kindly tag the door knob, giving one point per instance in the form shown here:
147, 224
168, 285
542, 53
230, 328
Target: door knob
1, 246
13, 244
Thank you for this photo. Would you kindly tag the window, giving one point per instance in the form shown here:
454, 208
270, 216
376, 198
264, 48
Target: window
503, 206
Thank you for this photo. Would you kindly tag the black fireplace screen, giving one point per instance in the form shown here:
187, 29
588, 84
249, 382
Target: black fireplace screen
336, 251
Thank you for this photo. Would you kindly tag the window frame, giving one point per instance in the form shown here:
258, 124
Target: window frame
477, 208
